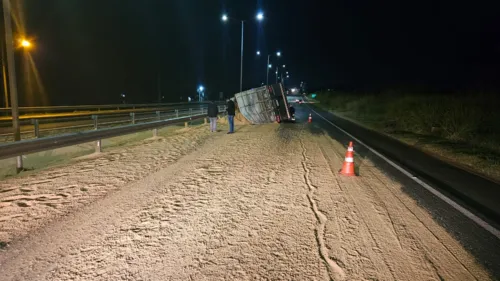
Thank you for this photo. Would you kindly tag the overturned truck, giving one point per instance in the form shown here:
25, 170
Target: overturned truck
266, 104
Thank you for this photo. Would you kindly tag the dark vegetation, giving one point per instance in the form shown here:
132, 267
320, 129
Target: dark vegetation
464, 129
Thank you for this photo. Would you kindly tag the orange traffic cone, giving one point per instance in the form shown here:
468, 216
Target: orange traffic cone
348, 167
310, 118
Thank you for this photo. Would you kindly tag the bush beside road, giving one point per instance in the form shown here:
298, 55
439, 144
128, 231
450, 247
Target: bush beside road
462, 130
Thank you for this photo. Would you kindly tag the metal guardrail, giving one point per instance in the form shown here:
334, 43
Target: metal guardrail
98, 107
38, 127
37, 124
15, 149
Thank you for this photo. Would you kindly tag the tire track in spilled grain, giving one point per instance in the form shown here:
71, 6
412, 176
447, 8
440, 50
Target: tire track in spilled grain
334, 270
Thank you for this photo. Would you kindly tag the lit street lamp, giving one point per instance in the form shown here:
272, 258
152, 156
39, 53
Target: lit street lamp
278, 54
225, 18
201, 93
258, 53
25, 43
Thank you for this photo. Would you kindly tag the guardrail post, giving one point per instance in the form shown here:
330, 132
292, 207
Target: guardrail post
133, 117
155, 130
186, 124
190, 112
98, 143
98, 146
36, 127
94, 117
177, 113
204, 120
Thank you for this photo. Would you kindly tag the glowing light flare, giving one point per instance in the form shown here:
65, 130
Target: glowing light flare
260, 16
25, 43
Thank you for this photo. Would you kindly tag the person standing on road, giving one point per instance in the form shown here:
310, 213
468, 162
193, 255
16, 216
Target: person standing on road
291, 109
213, 112
231, 111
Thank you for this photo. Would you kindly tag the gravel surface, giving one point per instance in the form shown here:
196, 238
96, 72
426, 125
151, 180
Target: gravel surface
265, 203
31, 201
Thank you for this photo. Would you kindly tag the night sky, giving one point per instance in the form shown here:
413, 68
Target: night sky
90, 51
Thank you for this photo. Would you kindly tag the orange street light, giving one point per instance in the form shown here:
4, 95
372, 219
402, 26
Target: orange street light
25, 43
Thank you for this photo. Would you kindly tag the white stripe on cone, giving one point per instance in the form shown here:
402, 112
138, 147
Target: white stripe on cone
350, 149
349, 159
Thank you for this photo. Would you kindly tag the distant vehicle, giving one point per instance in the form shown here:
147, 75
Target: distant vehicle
299, 101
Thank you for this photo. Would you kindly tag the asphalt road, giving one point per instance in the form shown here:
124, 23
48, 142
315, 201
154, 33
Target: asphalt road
475, 191
482, 244
276, 210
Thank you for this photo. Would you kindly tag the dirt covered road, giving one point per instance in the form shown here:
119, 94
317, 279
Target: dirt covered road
265, 203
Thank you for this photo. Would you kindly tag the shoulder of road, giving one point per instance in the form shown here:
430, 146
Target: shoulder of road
476, 192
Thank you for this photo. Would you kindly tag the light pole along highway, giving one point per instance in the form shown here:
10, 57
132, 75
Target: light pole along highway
9, 48
269, 65
225, 18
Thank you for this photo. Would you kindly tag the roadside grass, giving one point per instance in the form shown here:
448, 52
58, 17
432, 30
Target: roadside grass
65, 155
463, 130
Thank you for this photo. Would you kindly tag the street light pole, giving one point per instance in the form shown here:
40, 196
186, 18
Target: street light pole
159, 88
4, 74
12, 77
225, 18
267, 67
241, 64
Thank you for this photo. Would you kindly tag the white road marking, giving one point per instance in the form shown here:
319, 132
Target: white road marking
432, 190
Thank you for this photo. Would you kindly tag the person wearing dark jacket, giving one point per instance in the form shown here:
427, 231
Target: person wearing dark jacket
231, 111
291, 109
213, 112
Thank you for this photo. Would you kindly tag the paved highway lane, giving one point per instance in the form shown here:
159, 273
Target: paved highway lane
482, 243
476, 191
